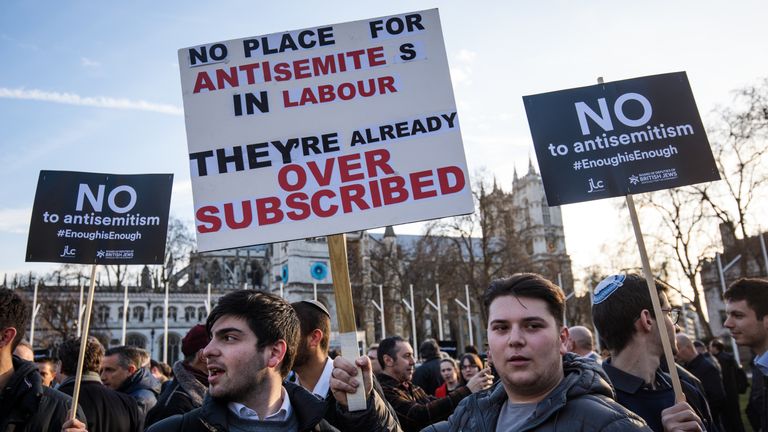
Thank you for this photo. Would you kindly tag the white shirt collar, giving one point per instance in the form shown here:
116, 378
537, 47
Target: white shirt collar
324, 383
761, 362
283, 413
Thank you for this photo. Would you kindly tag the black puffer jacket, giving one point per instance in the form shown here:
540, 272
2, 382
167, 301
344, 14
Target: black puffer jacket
27, 406
183, 394
143, 387
583, 401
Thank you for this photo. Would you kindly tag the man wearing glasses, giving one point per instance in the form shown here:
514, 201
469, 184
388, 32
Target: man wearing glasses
623, 315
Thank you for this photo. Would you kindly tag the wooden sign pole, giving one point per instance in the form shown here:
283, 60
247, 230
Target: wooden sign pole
650, 281
83, 343
345, 312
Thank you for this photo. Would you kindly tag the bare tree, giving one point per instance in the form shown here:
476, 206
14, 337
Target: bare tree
683, 221
179, 243
738, 143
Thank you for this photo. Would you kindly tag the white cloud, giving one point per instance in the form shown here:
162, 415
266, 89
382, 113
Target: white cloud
461, 69
88, 63
92, 101
15, 221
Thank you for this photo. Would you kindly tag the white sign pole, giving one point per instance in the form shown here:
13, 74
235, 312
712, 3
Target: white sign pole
762, 248
412, 309
80, 312
35, 310
466, 308
165, 327
721, 271
125, 314
439, 311
83, 343
208, 301
380, 307
281, 290
651, 282
314, 290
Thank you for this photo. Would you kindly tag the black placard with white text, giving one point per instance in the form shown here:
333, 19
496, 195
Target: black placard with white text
618, 138
90, 218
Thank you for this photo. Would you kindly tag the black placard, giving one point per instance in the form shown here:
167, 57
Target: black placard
90, 218
619, 138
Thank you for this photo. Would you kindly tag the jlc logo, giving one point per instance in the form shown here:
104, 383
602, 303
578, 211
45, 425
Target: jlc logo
68, 253
596, 186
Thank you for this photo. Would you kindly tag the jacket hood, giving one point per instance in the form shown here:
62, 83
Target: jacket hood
189, 383
141, 380
583, 376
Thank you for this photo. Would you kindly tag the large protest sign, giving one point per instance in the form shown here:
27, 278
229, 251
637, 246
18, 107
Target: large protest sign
90, 218
323, 130
618, 138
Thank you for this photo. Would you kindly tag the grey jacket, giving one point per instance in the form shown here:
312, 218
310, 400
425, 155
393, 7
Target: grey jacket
583, 401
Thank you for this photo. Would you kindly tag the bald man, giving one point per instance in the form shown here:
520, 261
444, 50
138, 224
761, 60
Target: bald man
581, 342
704, 370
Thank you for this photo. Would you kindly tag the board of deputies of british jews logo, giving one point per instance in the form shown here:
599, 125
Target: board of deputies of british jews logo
115, 254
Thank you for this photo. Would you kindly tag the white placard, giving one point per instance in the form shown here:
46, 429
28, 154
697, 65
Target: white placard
323, 130
350, 351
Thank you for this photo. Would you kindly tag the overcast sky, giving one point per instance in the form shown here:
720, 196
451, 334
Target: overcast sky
94, 86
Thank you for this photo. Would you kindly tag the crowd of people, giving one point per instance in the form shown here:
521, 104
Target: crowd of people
261, 363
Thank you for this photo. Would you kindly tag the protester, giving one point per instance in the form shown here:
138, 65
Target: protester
414, 408
734, 382
121, 370
427, 375
189, 385
106, 410
162, 373
701, 348
254, 336
623, 315
542, 388
47, 369
449, 369
24, 351
470, 365
374, 357
25, 404
746, 305
705, 371
581, 342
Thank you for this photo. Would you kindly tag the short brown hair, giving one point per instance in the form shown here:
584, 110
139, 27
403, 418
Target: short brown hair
614, 317
528, 285
68, 355
754, 291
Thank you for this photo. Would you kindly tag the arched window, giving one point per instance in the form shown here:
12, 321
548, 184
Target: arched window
189, 313
545, 212
172, 313
102, 314
138, 313
137, 340
120, 314
157, 313
201, 314
174, 347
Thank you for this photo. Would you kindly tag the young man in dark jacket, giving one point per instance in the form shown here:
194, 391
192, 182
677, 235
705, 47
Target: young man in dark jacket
121, 370
189, 385
746, 304
105, 409
25, 404
541, 388
414, 407
623, 314
254, 336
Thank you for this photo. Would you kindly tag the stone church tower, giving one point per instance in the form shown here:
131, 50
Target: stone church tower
541, 229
